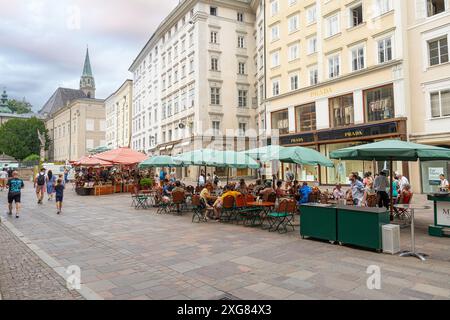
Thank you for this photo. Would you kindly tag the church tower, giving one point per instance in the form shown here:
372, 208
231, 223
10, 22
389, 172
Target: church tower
87, 82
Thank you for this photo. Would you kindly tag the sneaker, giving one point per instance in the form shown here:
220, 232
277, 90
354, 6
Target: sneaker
17, 216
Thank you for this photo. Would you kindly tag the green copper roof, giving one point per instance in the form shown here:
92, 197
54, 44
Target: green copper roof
87, 70
5, 110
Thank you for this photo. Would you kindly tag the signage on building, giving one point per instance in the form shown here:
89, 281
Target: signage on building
358, 132
297, 139
443, 213
321, 92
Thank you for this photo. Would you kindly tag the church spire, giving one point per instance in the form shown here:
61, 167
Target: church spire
87, 82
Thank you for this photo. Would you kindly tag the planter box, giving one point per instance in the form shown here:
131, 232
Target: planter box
103, 190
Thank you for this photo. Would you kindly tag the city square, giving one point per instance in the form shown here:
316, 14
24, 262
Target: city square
225, 150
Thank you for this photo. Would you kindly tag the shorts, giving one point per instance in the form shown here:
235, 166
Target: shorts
59, 198
2, 183
40, 189
13, 197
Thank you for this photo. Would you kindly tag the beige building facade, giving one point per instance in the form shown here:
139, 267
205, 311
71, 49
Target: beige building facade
76, 129
336, 77
118, 116
429, 35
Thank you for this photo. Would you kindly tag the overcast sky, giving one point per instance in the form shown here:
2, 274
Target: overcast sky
43, 43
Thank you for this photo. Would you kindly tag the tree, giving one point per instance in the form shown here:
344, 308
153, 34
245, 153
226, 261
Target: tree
19, 107
19, 137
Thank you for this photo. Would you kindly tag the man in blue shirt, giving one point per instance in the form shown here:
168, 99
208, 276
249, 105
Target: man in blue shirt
162, 176
304, 192
15, 186
357, 188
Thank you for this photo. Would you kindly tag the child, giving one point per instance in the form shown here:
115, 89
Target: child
59, 189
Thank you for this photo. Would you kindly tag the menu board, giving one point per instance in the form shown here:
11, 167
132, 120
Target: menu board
443, 214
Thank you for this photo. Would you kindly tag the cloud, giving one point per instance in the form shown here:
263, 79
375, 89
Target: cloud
44, 42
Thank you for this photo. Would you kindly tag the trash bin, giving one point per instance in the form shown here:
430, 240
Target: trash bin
391, 238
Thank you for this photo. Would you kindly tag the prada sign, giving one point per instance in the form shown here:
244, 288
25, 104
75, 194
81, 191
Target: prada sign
297, 139
358, 132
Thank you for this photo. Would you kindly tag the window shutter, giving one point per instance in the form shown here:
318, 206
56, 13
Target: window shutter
421, 9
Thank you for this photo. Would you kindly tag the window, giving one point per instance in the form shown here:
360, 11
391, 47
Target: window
89, 144
440, 103
293, 52
342, 112
242, 98
438, 51
358, 58
214, 64
305, 117
275, 32
334, 66
242, 129
312, 45
294, 81
385, 50
241, 68
240, 17
213, 11
213, 36
435, 7
311, 14
216, 127
293, 24
274, 7
275, 87
241, 42
275, 59
332, 24
280, 121
90, 124
313, 76
382, 7
215, 96
379, 103
356, 15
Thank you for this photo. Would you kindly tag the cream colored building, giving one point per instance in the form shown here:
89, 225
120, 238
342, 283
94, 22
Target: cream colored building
75, 119
194, 81
429, 35
76, 129
336, 77
118, 116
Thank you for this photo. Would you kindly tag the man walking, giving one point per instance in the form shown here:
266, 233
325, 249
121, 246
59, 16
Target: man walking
380, 185
15, 186
39, 185
357, 189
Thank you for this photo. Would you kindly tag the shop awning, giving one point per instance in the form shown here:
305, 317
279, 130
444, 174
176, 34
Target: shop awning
91, 161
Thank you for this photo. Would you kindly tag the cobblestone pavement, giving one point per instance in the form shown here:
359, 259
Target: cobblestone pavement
24, 276
137, 254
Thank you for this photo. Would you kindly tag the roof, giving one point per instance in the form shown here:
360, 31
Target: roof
5, 110
6, 158
60, 99
87, 70
21, 116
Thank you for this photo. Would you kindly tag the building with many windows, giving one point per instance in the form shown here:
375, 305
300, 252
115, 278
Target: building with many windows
428, 38
336, 77
194, 81
118, 116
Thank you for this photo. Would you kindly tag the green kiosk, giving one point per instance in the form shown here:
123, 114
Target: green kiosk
441, 227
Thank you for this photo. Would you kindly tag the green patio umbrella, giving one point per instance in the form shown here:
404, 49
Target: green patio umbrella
160, 161
297, 155
202, 157
392, 150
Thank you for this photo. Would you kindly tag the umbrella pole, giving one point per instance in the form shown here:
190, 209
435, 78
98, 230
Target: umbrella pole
391, 192
228, 175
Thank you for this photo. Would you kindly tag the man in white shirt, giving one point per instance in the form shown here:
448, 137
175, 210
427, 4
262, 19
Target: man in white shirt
402, 180
444, 182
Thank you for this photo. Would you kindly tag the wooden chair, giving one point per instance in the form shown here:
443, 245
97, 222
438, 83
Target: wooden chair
178, 200
275, 217
227, 209
198, 210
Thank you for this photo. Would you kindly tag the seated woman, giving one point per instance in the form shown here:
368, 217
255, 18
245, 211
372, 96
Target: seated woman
207, 199
242, 187
227, 191
406, 195
266, 191
338, 193
279, 191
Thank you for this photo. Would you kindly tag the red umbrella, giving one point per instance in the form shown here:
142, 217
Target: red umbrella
122, 156
90, 161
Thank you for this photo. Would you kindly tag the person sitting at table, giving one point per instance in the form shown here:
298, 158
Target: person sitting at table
294, 188
406, 194
227, 191
258, 187
242, 187
178, 187
207, 199
268, 190
338, 193
304, 193
166, 188
280, 192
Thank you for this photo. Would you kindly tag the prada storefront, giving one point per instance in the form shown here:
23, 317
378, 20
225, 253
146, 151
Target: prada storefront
329, 140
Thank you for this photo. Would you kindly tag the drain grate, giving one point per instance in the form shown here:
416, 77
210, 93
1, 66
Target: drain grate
227, 296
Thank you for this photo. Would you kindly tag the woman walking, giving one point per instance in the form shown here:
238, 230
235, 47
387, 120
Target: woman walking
51, 182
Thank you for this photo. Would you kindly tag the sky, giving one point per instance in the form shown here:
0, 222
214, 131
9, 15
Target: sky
43, 43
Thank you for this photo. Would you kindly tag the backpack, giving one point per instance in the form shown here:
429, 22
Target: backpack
41, 180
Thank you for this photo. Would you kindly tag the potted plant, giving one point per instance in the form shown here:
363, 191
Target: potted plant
146, 183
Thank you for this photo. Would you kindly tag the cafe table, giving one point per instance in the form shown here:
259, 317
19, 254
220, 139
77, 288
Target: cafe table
412, 208
265, 206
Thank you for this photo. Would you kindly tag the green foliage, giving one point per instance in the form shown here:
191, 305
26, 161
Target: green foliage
32, 157
146, 182
19, 107
19, 137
